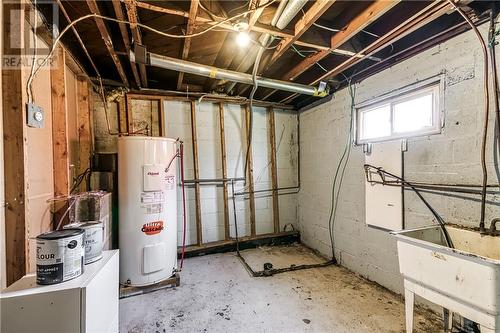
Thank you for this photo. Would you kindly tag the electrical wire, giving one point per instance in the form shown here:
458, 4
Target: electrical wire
209, 12
303, 56
486, 112
29, 89
111, 19
250, 107
344, 159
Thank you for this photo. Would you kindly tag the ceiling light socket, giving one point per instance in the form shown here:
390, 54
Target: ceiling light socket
241, 26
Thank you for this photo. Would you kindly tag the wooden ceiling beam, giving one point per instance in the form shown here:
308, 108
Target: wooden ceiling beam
246, 62
77, 35
107, 41
431, 12
254, 17
193, 11
305, 22
356, 25
372, 13
131, 7
225, 57
202, 18
126, 38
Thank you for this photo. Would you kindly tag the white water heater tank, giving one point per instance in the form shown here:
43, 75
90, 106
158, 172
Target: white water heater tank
147, 199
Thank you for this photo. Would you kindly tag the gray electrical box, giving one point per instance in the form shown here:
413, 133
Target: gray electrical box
35, 117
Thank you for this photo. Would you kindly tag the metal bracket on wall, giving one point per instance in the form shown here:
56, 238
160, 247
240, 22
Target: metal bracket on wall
404, 145
367, 148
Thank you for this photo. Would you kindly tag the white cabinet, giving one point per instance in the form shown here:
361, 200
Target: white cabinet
88, 303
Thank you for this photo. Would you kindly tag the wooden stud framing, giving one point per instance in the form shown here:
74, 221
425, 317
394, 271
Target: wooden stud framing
130, 119
13, 158
161, 115
250, 175
224, 170
136, 34
199, 232
107, 41
84, 125
193, 10
59, 124
274, 170
126, 38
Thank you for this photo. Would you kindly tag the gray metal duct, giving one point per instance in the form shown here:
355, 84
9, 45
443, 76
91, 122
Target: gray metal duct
285, 10
290, 11
224, 74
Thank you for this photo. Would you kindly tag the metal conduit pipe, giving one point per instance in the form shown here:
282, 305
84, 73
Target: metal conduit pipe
175, 64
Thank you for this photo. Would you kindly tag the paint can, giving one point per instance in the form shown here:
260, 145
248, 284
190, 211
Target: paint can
93, 239
59, 256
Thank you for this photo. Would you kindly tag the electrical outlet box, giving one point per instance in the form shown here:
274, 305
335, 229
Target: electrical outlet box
35, 117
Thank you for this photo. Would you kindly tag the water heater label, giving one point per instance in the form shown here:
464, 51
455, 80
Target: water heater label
169, 182
152, 197
153, 177
152, 228
155, 208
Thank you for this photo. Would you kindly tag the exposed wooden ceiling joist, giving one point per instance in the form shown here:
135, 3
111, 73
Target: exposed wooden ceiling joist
193, 11
77, 35
131, 7
126, 38
372, 13
258, 27
107, 40
317, 9
423, 17
356, 25
254, 17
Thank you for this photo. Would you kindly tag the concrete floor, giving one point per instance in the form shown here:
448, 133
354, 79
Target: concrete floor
218, 295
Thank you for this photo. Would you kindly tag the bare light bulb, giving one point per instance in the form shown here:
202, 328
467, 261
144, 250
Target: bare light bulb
243, 39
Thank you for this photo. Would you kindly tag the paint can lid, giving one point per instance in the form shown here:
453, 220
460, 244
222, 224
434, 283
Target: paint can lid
58, 234
83, 225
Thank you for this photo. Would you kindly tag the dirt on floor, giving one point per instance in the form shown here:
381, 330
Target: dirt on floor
218, 295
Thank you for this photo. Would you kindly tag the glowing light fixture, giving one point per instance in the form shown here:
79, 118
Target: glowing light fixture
243, 39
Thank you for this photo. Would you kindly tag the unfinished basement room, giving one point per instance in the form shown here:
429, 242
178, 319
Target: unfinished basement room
207, 166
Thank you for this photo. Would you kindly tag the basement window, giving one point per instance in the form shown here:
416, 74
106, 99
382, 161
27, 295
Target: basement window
404, 114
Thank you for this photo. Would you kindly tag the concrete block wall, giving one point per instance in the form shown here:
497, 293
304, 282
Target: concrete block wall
178, 125
450, 157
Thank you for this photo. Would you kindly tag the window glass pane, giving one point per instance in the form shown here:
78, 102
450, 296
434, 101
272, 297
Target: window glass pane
376, 123
413, 115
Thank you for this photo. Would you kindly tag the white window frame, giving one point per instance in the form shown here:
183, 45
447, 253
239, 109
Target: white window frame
398, 96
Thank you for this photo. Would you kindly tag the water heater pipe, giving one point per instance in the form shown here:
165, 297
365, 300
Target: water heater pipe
179, 65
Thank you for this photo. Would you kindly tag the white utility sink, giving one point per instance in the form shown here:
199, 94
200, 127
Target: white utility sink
464, 279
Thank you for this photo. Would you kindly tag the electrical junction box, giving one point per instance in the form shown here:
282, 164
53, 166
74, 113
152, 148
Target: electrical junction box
154, 179
35, 117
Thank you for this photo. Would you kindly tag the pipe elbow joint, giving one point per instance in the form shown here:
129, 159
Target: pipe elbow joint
493, 227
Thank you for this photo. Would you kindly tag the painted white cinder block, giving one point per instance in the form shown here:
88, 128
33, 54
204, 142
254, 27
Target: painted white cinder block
449, 157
